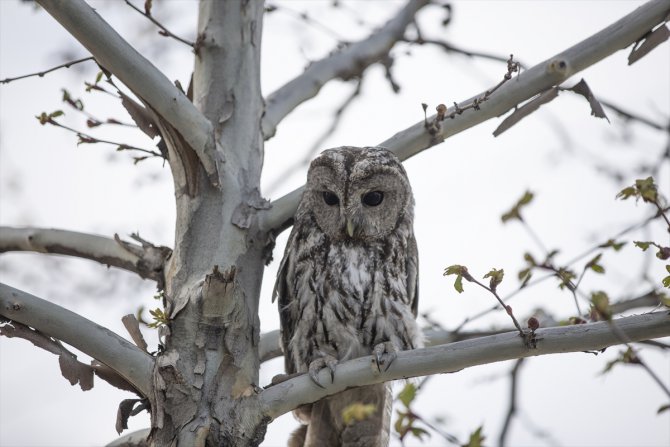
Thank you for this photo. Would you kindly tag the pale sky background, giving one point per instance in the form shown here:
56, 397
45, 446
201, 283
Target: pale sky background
461, 186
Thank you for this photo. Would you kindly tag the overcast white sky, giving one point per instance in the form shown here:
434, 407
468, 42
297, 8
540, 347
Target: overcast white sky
461, 186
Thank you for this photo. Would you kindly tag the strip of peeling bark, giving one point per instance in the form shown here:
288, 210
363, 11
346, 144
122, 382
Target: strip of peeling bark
100, 343
347, 63
531, 82
286, 396
139, 74
71, 368
146, 260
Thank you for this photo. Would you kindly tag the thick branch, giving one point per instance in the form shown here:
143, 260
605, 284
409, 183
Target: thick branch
285, 396
269, 347
100, 343
537, 79
347, 63
146, 260
141, 76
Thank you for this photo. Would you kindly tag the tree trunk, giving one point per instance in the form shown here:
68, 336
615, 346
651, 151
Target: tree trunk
210, 362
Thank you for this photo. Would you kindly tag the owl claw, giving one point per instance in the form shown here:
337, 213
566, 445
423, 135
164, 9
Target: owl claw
327, 361
384, 354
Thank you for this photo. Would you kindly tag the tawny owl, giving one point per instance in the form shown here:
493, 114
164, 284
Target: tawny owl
347, 285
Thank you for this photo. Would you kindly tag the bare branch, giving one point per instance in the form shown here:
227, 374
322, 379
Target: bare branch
146, 260
42, 73
285, 396
318, 143
164, 31
531, 82
345, 64
512, 407
269, 347
100, 343
141, 76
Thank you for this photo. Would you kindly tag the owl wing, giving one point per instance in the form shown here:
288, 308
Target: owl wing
412, 268
280, 291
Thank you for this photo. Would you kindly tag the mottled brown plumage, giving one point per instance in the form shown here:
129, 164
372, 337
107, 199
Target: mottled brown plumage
347, 285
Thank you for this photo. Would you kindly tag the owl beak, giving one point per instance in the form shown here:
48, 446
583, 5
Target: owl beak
351, 227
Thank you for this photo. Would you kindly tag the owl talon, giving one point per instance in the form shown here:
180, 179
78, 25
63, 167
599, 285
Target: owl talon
384, 354
327, 361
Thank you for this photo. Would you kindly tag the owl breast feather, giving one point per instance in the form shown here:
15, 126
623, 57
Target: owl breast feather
347, 298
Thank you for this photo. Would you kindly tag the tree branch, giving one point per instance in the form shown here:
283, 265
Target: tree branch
269, 347
100, 343
531, 82
288, 395
146, 260
49, 70
345, 64
141, 76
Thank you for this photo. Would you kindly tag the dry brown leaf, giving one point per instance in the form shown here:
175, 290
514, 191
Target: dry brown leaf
526, 110
651, 41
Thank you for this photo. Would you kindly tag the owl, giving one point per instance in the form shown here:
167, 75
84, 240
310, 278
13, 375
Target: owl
347, 285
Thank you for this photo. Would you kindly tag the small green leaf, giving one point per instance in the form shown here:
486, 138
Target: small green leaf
476, 439
663, 408
419, 432
643, 245
524, 277
357, 412
459, 271
458, 284
627, 192
566, 276
98, 77
408, 394
515, 211
593, 264
601, 304
496, 277
611, 243
529, 259
663, 299
647, 189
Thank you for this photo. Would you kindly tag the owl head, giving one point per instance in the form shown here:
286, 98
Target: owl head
357, 193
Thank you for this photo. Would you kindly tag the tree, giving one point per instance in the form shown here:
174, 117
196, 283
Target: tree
209, 363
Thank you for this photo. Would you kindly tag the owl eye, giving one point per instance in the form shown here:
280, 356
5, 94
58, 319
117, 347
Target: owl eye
330, 198
373, 198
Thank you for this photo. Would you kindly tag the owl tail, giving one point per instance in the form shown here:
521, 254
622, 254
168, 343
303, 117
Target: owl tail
326, 424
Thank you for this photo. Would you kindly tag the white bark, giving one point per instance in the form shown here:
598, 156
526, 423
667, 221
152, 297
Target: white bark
100, 343
135, 71
286, 396
347, 63
147, 261
537, 79
270, 348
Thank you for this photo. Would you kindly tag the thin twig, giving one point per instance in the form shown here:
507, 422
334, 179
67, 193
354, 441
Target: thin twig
318, 143
85, 138
630, 116
511, 409
164, 31
310, 21
42, 73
